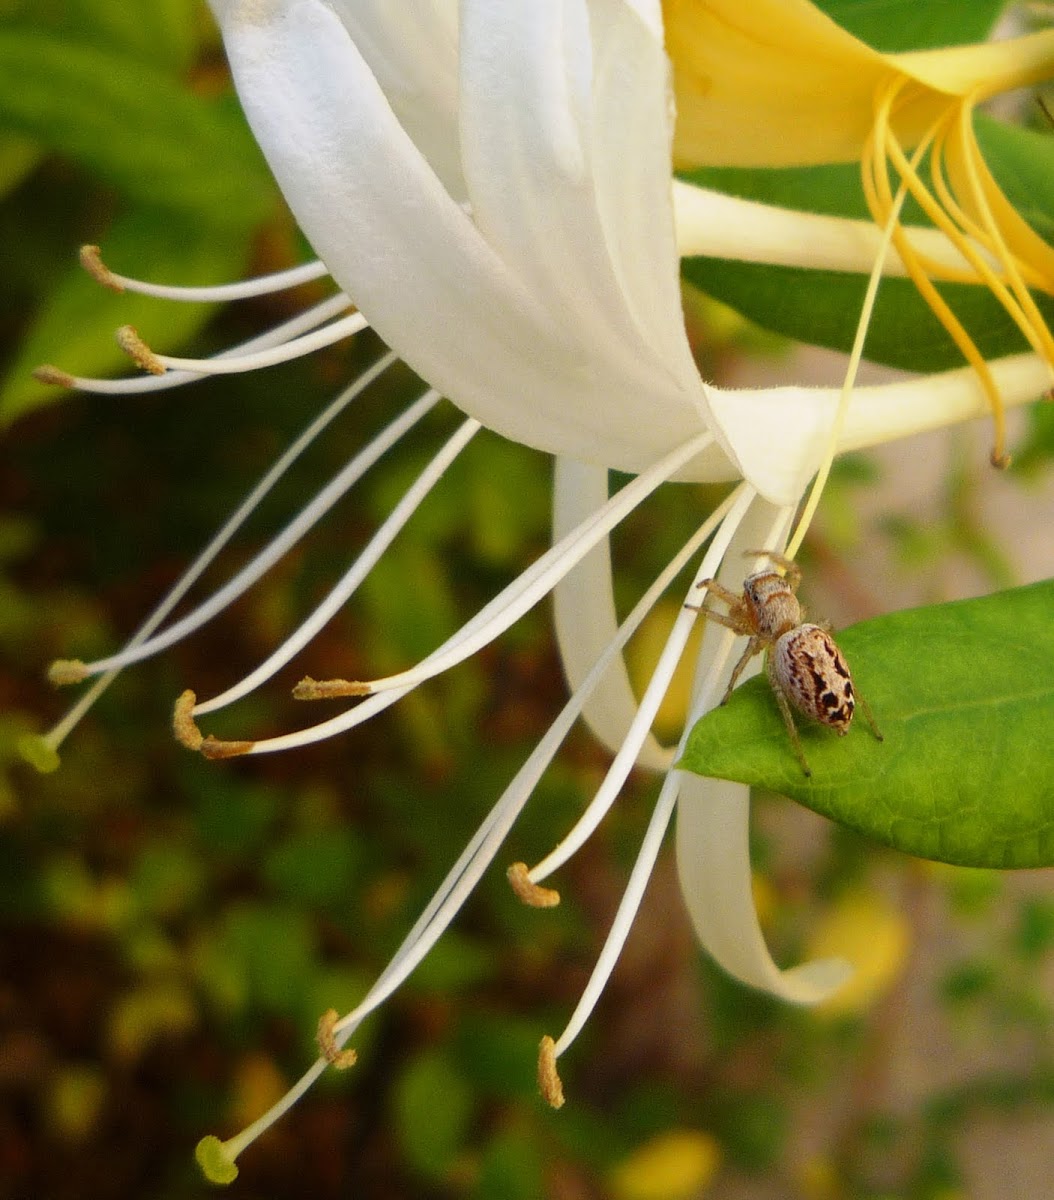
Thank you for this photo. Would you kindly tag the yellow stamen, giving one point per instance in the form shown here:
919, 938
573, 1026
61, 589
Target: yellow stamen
65, 671
530, 893
183, 724
138, 351
91, 261
548, 1077
213, 748
327, 1043
329, 689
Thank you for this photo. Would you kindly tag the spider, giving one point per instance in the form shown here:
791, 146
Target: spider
805, 667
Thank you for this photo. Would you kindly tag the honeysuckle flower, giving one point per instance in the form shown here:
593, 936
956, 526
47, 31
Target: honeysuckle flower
776, 65
490, 184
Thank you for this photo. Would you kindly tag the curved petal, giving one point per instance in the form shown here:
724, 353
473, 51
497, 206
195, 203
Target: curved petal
412, 50
713, 817
424, 274
584, 611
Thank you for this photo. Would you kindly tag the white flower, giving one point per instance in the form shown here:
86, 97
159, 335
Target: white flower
490, 183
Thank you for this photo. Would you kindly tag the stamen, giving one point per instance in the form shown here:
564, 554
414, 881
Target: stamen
329, 1045
285, 540
317, 315
487, 840
548, 1077
328, 689
219, 540
236, 364
530, 893
66, 671
539, 579
186, 732
654, 693
138, 351
355, 574
264, 285
215, 749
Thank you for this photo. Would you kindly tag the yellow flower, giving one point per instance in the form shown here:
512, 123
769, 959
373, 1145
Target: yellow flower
776, 83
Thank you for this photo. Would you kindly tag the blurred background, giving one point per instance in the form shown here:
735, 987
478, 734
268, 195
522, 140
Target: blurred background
171, 929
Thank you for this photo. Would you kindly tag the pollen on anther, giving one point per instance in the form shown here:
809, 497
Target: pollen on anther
91, 260
329, 689
327, 1043
138, 351
53, 376
183, 724
548, 1077
527, 891
65, 671
214, 748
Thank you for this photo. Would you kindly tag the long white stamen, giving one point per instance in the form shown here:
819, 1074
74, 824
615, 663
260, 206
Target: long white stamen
220, 539
262, 285
653, 696
289, 536
502, 611
358, 571
236, 364
627, 911
539, 579
487, 841
311, 318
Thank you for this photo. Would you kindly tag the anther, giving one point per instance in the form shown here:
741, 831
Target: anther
1000, 460
64, 671
530, 893
91, 260
548, 1077
139, 352
329, 689
327, 1043
53, 376
183, 724
214, 748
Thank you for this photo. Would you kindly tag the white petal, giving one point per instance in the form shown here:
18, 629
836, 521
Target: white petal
713, 817
584, 609
782, 434
412, 50
420, 270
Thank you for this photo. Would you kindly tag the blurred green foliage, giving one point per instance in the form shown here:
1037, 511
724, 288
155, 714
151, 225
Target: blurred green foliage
171, 929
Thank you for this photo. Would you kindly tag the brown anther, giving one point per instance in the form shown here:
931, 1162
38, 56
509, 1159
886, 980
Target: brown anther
327, 1043
53, 376
530, 893
548, 1077
1000, 460
139, 352
183, 724
91, 261
329, 689
64, 671
214, 748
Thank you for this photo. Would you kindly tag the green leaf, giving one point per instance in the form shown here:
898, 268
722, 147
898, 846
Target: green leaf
822, 307
964, 697
433, 1109
892, 25
134, 126
75, 328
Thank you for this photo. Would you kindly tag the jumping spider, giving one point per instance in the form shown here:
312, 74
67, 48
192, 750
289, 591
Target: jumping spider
805, 667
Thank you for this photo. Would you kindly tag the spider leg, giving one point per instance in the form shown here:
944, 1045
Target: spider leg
868, 714
791, 570
754, 646
713, 588
788, 718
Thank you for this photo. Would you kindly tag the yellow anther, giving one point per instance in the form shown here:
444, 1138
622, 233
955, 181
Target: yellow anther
53, 376
139, 352
64, 671
329, 689
548, 1077
214, 748
327, 1043
183, 724
91, 261
530, 893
